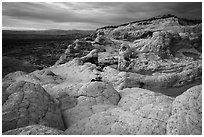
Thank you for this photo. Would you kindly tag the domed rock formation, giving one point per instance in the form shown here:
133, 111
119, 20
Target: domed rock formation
102, 92
34, 130
89, 95
186, 118
132, 116
27, 104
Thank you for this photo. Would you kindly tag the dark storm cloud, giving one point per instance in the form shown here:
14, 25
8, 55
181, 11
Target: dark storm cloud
92, 14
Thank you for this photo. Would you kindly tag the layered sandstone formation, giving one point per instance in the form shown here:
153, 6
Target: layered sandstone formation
138, 78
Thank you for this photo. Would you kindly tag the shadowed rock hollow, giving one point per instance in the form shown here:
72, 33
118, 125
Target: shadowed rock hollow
139, 78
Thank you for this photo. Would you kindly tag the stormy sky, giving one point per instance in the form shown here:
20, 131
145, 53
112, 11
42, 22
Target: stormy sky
36, 15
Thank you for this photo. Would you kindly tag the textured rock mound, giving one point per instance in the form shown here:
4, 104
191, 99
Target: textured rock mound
34, 130
186, 116
27, 103
72, 71
42, 77
90, 96
133, 99
97, 92
133, 116
162, 52
11, 65
77, 113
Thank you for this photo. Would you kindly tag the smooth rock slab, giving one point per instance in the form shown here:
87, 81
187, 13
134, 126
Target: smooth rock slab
34, 130
27, 104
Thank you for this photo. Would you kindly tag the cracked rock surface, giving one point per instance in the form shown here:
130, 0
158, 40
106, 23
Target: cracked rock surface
34, 130
27, 104
91, 98
132, 115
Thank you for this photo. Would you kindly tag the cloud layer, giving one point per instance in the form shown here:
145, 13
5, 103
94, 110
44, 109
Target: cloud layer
18, 15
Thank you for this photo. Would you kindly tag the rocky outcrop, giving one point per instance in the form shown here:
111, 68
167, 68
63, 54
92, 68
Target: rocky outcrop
186, 118
27, 103
159, 52
142, 28
34, 130
171, 84
79, 48
92, 57
124, 56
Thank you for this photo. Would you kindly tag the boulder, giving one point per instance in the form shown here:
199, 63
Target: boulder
34, 130
186, 118
28, 103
